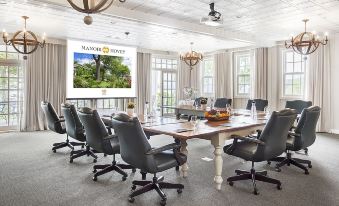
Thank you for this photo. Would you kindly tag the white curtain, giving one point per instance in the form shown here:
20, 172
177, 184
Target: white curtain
273, 76
319, 85
143, 80
223, 75
183, 79
260, 76
45, 79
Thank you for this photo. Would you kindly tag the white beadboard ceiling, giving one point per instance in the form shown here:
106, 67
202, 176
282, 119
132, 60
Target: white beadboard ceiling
170, 25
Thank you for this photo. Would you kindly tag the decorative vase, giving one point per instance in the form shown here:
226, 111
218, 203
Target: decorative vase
203, 106
130, 112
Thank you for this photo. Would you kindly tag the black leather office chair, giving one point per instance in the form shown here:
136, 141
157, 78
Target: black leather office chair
271, 143
298, 105
136, 150
303, 136
260, 104
75, 129
222, 102
97, 137
55, 123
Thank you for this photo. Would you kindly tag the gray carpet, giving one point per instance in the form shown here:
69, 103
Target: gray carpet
31, 174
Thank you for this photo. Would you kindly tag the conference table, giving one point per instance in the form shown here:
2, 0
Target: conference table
215, 132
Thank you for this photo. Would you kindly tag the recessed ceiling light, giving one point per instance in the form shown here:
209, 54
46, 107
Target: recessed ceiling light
239, 16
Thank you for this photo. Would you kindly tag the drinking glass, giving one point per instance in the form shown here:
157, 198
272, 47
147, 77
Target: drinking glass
267, 112
194, 121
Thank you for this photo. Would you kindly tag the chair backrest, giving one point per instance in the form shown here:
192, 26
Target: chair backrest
133, 142
53, 120
74, 127
306, 127
260, 104
94, 128
275, 134
197, 101
222, 102
298, 105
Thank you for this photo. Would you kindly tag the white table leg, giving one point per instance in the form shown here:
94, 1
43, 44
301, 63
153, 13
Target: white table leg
183, 149
218, 142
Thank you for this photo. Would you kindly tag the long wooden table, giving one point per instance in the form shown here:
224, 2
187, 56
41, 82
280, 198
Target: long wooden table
215, 132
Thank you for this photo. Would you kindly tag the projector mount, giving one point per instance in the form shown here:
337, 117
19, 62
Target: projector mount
213, 13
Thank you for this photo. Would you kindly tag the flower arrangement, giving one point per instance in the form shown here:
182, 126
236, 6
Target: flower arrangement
130, 105
203, 101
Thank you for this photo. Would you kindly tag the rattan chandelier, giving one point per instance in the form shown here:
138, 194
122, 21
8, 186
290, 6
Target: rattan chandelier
25, 42
306, 43
91, 7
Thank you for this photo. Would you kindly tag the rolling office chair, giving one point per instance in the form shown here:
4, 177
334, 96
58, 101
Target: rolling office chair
136, 150
197, 101
269, 144
298, 105
303, 136
75, 130
97, 137
260, 104
222, 102
54, 123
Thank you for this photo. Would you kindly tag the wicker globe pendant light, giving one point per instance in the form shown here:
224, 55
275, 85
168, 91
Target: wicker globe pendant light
306, 42
91, 7
24, 41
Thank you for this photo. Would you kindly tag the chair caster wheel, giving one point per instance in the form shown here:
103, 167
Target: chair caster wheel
279, 187
134, 170
94, 171
95, 178
288, 164
54, 150
134, 187
95, 160
179, 191
310, 166
131, 199
278, 169
163, 202
269, 162
82, 146
105, 155
256, 192
70, 160
306, 172
231, 183
124, 178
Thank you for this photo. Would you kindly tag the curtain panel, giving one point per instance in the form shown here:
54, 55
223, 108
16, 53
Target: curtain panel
223, 75
45, 79
183, 79
143, 80
318, 85
260, 76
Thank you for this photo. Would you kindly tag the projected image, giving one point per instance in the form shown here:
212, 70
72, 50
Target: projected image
101, 71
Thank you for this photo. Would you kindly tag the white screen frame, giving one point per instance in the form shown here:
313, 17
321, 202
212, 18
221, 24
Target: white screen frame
97, 93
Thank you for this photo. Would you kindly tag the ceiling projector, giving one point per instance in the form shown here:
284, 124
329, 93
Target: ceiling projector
214, 18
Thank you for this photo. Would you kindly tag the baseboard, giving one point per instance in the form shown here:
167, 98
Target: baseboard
334, 131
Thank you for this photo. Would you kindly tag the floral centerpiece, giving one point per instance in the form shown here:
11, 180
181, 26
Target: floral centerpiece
130, 108
203, 102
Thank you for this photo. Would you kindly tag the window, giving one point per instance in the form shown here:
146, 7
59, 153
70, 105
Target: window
293, 74
208, 77
164, 78
11, 85
78, 103
243, 71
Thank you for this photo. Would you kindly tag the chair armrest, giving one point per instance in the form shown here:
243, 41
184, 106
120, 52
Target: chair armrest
163, 148
294, 134
248, 139
61, 120
110, 137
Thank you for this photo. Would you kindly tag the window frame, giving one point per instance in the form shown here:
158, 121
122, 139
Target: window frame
304, 67
19, 80
162, 72
203, 77
236, 68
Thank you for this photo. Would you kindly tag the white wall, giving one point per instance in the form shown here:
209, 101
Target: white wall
335, 83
